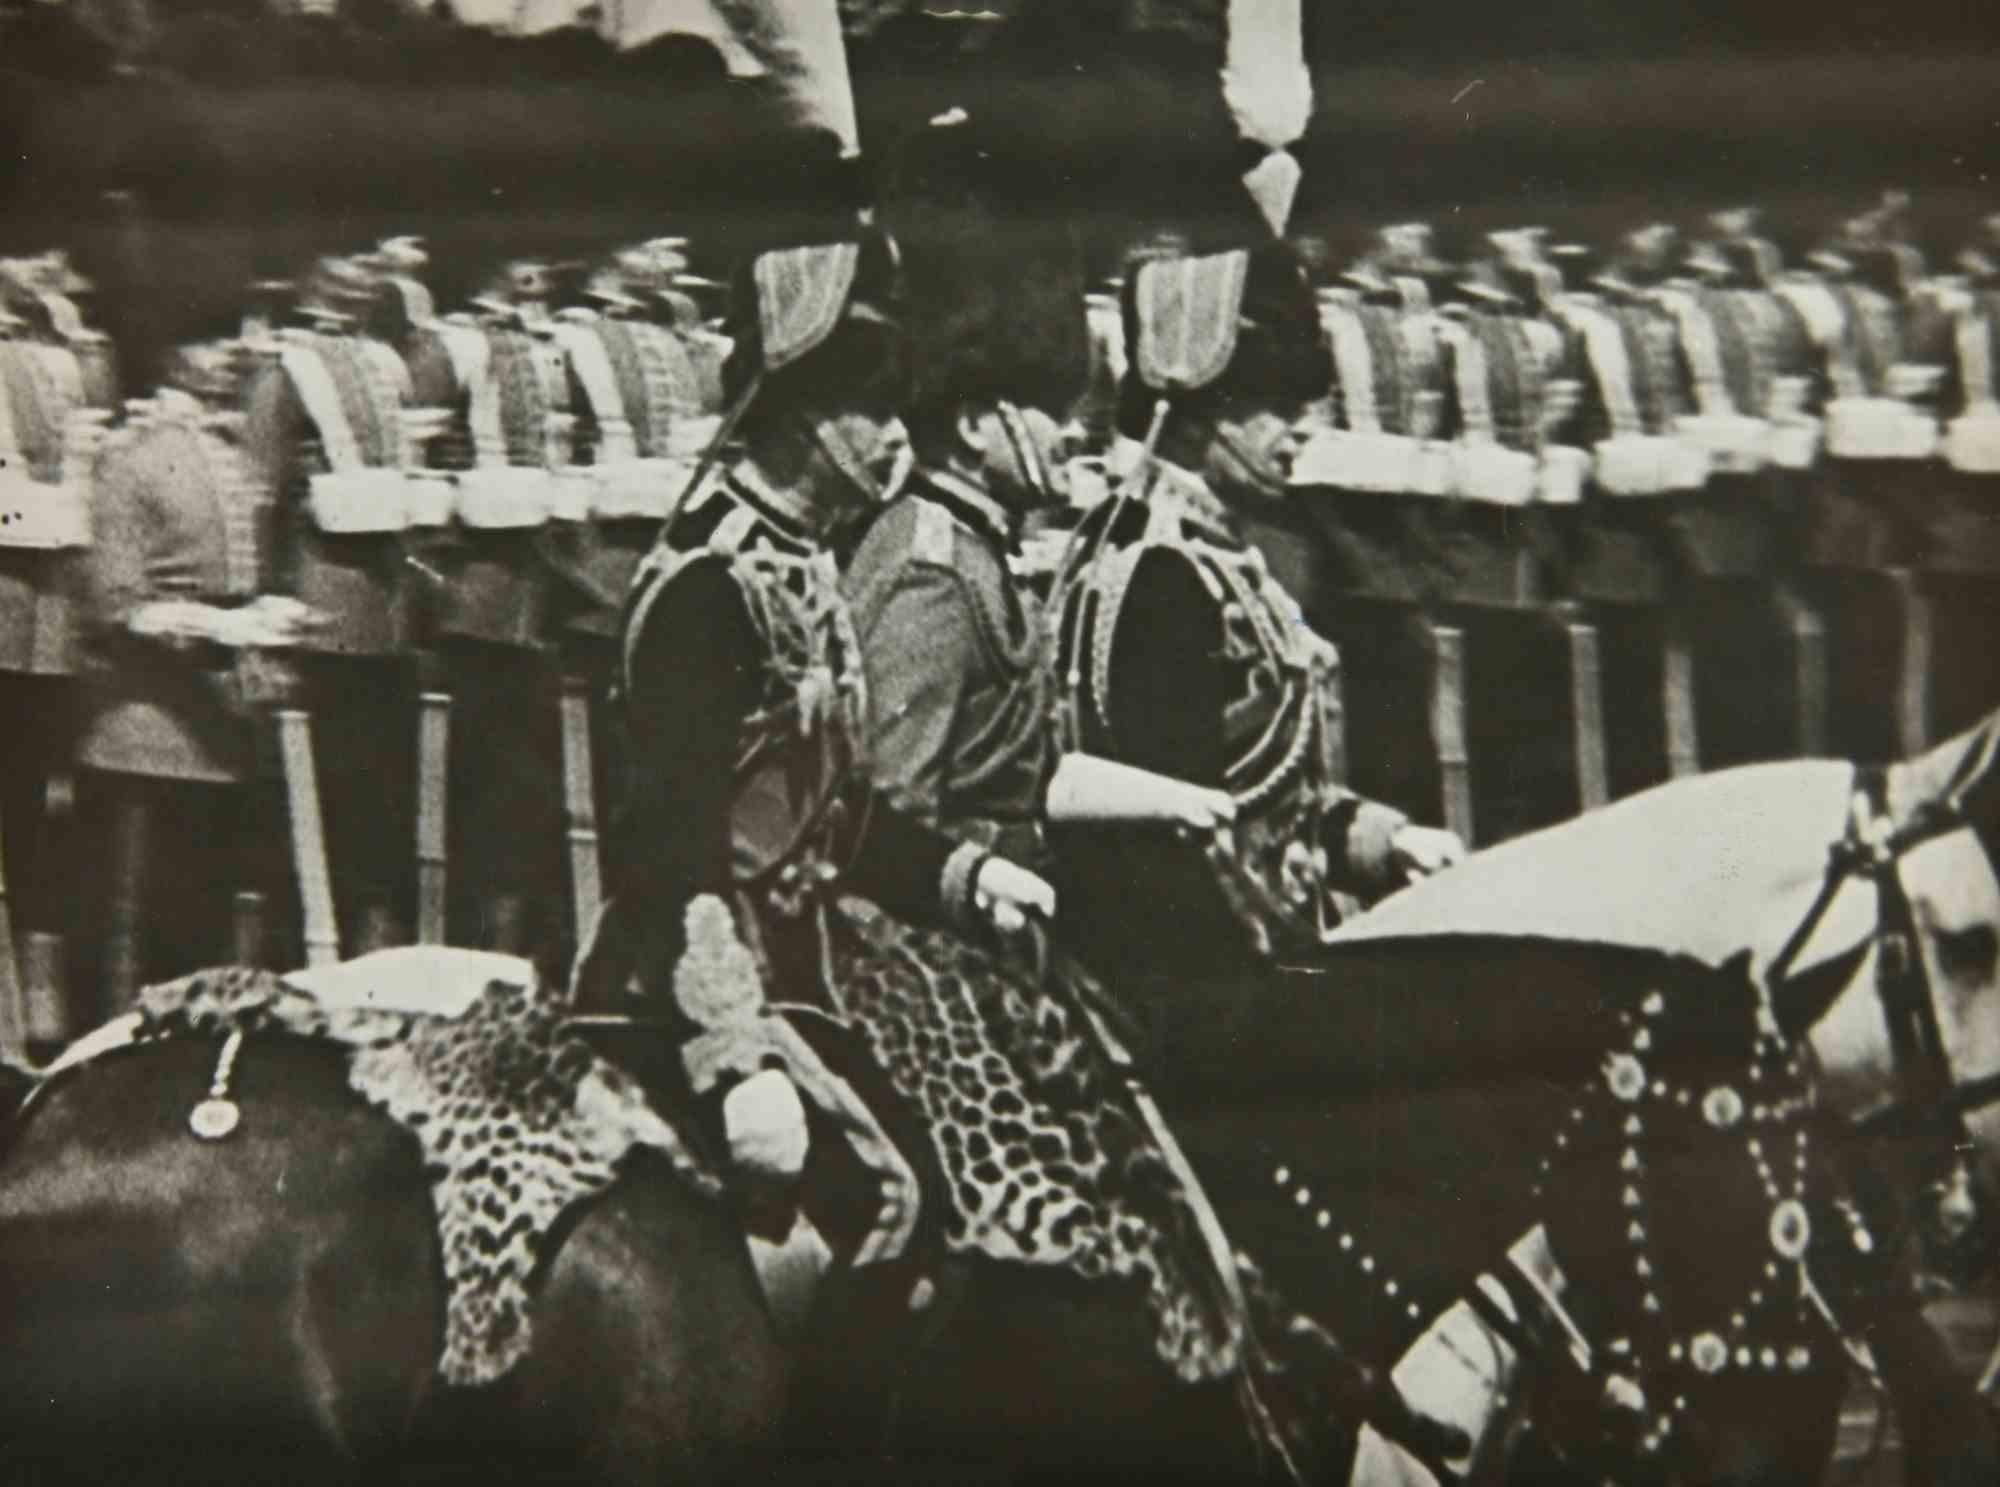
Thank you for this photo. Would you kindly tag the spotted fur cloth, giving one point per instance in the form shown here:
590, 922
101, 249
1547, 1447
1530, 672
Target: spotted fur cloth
1046, 1162
517, 1121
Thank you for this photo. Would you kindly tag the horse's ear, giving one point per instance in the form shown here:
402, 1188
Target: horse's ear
1957, 773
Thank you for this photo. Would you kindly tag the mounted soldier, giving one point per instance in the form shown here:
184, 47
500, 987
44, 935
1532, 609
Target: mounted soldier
950, 625
740, 691
1226, 358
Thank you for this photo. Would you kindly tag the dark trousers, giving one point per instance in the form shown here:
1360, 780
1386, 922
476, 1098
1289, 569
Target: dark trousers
195, 847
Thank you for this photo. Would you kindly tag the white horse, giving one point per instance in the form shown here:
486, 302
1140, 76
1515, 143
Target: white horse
1866, 906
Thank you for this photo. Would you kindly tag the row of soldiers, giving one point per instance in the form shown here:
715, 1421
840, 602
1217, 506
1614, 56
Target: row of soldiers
419, 510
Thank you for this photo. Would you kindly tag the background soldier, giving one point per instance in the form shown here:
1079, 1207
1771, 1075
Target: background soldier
180, 599
327, 434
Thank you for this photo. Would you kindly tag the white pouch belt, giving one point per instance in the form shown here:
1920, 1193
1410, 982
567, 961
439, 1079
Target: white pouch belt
1494, 474
1735, 443
505, 497
429, 498
353, 497
35, 513
1637, 465
365, 500
1872, 428
1795, 442
1357, 460
1972, 442
1560, 475
41, 515
638, 490
1433, 468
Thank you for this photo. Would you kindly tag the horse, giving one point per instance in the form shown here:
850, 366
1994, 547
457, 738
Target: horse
1373, 1131
1550, 1131
1371, 1136
269, 1307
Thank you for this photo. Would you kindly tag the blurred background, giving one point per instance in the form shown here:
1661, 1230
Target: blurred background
182, 148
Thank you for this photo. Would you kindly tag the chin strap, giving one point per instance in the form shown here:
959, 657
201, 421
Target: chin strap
1246, 469
724, 432
1076, 557
1028, 462
860, 479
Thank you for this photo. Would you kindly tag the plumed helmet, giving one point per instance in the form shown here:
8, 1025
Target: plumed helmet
816, 308
1237, 326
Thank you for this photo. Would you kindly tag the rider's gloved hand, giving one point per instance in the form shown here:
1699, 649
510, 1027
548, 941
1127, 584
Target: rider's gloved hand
1007, 895
1419, 851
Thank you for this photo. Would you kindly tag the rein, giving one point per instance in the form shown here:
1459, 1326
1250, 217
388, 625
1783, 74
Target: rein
1873, 847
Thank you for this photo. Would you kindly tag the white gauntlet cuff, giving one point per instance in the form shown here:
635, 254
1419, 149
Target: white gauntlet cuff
957, 882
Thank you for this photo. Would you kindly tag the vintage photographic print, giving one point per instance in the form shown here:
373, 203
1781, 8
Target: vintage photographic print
982, 742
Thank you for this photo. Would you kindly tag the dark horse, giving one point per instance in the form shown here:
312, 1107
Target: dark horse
270, 1306
1373, 1133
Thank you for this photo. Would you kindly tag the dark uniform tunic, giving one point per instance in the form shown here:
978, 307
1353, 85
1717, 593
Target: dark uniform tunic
951, 646
744, 719
1181, 655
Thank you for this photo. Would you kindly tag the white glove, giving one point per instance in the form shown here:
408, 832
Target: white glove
1007, 894
1419, 851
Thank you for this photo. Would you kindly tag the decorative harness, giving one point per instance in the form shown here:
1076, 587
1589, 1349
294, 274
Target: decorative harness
1283, 726
1874, 845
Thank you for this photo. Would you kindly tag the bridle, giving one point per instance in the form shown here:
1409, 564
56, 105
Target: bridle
1927, 1096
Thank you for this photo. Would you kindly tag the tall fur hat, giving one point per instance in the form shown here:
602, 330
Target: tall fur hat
993, 279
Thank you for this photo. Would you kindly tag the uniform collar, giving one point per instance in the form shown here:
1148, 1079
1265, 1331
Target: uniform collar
973, 506
790, 511
1184, 488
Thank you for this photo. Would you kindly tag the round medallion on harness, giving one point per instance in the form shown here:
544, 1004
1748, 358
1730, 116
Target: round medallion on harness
212, 1120
1791, 1230
1722, 1107
1709, 1353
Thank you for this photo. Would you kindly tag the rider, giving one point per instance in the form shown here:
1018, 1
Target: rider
951, 630
741, 694
1178, 652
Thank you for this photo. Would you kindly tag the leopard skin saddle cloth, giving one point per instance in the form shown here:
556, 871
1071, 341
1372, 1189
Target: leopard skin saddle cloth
517, 1120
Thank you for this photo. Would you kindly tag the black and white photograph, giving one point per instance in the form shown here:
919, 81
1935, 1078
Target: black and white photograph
870, 743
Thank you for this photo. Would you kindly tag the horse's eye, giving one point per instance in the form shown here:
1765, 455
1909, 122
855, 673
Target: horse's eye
1969, 954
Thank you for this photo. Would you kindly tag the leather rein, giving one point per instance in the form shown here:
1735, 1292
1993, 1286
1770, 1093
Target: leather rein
1927, 1095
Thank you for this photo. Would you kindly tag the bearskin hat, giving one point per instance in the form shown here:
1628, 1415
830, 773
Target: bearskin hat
993, 279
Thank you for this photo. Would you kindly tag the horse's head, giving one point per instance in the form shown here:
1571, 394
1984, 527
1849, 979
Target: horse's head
1939, 817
